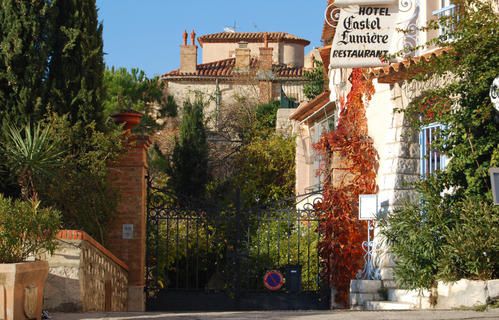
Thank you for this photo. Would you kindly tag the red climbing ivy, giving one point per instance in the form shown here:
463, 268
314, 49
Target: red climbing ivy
353, 162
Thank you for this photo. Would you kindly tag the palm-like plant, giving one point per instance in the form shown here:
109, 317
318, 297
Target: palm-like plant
30, 152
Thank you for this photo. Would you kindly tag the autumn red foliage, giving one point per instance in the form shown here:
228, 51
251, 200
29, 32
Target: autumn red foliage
350, 171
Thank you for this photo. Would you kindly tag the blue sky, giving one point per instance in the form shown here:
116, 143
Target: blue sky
147, 33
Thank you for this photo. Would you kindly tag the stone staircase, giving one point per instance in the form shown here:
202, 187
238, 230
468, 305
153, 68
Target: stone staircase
383, 295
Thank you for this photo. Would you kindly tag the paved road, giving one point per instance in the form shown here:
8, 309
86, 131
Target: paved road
291, 315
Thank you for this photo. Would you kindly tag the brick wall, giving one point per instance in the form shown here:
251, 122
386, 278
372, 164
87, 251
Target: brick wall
128, 177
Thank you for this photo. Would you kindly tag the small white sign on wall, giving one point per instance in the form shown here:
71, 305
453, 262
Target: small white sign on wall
127, 231
368, 206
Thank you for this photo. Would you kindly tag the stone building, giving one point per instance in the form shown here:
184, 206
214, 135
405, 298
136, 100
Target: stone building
239, 65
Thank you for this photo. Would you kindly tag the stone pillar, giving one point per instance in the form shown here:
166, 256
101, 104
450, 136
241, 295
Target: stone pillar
399, 170
127, 231
266, 89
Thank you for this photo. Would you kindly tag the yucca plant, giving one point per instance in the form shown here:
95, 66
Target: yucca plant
30, 152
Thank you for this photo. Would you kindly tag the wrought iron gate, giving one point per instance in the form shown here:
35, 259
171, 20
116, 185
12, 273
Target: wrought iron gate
204, 258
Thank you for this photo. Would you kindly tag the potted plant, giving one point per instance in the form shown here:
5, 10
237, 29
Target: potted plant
26, 229
132, 98
129, 118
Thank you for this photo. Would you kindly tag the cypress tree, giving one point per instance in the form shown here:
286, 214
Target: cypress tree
24, 30
75, 81
189, 168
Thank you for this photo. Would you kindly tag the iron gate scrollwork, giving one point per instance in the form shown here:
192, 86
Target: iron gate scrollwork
200, 257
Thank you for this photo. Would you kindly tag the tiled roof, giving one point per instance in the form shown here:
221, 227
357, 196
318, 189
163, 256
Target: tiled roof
405, 69
307, 109
250, 37
325, 53
226, 69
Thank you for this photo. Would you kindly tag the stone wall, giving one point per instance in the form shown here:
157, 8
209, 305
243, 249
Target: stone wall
399, 152
374, 295
183, 91
84, 276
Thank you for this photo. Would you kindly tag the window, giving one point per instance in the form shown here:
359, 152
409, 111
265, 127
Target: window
431, 160
448, 10
319, 128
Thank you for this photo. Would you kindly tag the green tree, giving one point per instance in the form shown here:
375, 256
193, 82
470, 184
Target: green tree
79, 186
24, 50
76, 70
315, 81
189, 163
262, 168
133, 90
265, 170
471, 137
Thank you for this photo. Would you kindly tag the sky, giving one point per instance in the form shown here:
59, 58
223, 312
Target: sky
147, 34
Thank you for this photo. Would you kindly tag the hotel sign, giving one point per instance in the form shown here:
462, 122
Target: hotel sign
367, 31
364, 34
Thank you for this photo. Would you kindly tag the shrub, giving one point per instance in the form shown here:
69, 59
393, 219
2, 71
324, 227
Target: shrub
79, 187
441, 238
26, 229
472, 246
315, 80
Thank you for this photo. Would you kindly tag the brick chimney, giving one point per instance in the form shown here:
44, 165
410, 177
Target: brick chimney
243, 57
188, 54
265, 75
265, 59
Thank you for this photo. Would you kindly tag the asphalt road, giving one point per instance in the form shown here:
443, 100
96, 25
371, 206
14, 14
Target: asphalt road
288, 315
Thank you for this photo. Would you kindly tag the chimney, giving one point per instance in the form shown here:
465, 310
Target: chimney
265, 59
265, 75
188, 54
243, 57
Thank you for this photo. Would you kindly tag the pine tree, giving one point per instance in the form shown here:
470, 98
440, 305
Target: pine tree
75, 82
24, 30
189, 168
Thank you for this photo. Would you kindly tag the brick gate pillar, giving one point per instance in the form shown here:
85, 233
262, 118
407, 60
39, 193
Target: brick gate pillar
126, 236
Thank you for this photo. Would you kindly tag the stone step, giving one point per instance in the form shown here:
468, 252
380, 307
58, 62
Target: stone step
408, 296
415, 297
388, 305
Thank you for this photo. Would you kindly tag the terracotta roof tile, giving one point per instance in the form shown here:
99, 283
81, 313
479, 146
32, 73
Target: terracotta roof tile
403, 70
308, 108
250, 37
225, 69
